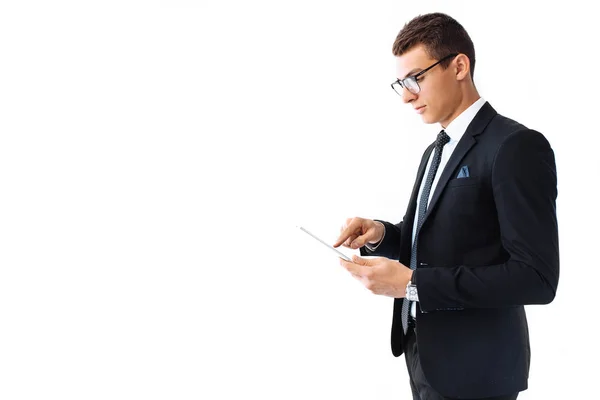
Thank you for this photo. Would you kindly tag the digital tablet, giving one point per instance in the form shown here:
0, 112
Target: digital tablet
339, 253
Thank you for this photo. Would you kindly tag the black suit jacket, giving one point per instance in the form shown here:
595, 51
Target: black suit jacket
487, 247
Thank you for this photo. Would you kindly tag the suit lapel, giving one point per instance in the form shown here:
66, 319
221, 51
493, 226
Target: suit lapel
476, 127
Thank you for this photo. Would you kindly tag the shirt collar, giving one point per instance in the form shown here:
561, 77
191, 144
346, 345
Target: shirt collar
459, 125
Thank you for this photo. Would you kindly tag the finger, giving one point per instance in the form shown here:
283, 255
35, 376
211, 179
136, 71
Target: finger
350, 229
348, 220
358, 278
361, 240
351, 238
361, 261
355, 269
349, 241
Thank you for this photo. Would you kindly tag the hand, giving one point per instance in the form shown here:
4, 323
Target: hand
380, 275
358, 231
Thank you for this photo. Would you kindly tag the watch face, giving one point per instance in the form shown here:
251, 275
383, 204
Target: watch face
411, 292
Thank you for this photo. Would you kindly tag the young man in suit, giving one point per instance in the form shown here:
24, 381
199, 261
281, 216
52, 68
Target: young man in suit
479, 239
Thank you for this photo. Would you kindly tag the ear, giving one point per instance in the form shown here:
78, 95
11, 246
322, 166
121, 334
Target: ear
462, 67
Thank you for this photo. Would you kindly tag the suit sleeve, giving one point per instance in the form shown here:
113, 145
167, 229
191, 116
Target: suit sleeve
524, 189
390, 245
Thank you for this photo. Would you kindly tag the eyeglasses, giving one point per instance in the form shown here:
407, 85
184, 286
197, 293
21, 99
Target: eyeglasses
411, 82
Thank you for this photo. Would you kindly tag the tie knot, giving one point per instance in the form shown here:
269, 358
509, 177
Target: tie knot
442, 139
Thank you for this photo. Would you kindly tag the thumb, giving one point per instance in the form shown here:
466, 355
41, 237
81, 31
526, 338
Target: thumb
360, 261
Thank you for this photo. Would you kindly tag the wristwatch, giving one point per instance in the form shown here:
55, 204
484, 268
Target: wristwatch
411, 292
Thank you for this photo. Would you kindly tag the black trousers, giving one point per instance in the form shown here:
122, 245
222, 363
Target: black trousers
418, 384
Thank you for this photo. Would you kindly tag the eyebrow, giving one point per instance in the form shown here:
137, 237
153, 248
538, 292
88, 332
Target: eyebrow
412, 72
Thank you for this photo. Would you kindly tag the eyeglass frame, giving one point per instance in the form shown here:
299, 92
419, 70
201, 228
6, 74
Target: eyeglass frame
402, 85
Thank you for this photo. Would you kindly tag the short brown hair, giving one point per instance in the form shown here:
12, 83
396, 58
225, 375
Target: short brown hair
440, 34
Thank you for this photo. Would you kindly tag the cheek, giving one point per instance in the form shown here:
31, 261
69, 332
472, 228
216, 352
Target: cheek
445, 93
436, 92
433, 103
437, 101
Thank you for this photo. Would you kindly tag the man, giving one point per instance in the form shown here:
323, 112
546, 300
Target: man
479, 239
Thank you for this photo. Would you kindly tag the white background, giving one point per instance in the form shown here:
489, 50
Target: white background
156, 157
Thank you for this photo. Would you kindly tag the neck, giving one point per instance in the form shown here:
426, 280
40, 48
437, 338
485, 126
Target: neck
466, 100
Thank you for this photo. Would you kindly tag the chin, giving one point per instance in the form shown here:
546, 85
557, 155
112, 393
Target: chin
428, 119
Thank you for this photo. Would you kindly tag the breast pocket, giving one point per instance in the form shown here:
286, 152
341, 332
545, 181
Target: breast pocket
467, 195
459, 182
472, 217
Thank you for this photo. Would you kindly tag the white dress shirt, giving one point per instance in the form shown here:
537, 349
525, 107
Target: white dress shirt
456, 129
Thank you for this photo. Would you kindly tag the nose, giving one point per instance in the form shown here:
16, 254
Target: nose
408, 96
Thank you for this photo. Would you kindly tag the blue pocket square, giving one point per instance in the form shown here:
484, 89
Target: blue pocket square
464, 172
